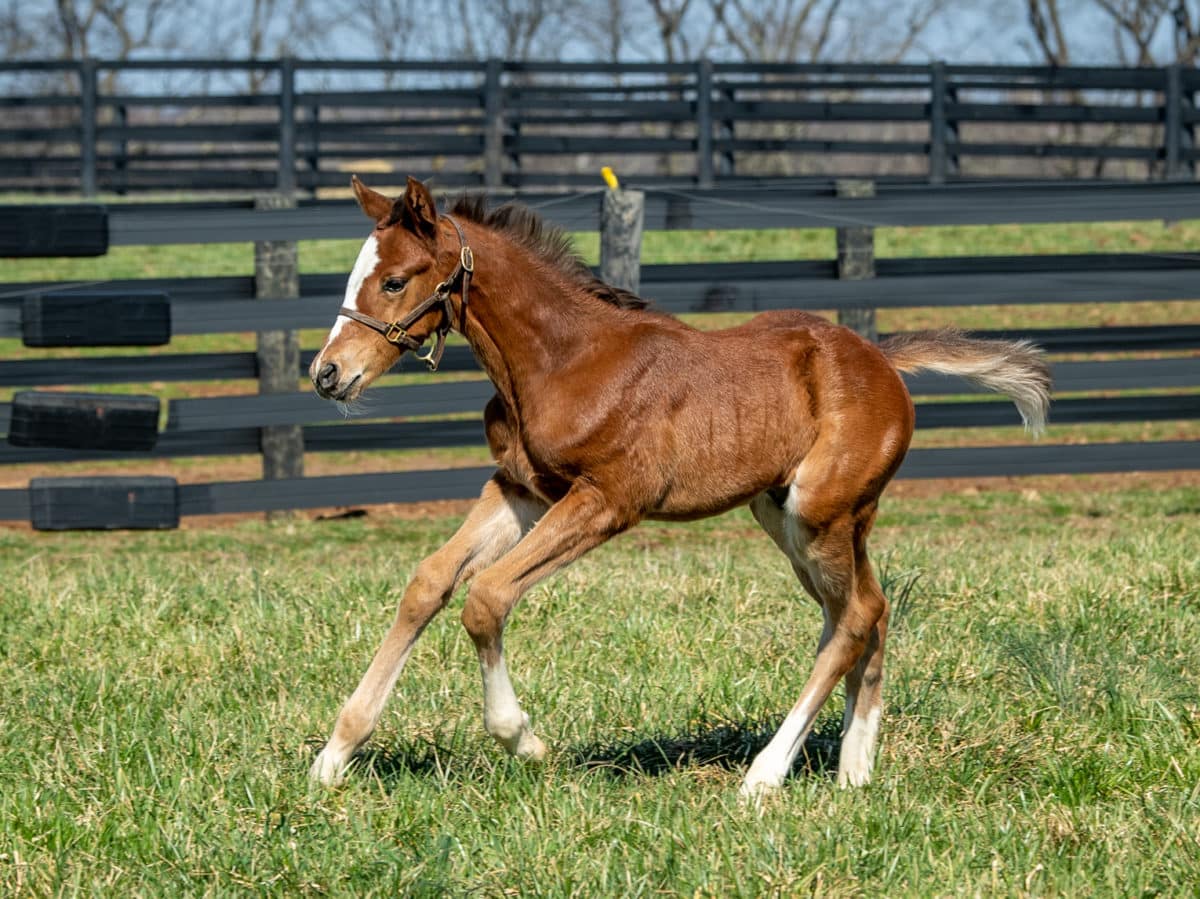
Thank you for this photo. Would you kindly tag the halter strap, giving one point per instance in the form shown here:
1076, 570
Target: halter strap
396, 332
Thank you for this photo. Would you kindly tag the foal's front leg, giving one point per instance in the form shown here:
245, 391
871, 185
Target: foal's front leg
502, 515
581, 520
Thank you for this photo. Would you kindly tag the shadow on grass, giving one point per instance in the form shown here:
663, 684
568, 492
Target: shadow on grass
390, 763
731, 746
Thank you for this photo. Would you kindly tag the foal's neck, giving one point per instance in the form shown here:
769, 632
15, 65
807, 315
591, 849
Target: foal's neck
526, 318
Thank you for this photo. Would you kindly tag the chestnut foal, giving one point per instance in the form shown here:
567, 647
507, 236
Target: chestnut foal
606, 413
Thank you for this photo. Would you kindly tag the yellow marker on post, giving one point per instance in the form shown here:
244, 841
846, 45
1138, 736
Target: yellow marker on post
610, 178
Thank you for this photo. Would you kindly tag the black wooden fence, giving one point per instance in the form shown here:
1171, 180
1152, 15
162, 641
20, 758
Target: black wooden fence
283, 124
1158, 384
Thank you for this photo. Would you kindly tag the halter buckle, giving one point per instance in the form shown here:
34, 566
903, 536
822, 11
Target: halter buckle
466, 259
396, 334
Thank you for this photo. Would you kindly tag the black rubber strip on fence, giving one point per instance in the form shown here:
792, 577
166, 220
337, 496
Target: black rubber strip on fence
95, 421
103, 503
53, 230
96, 318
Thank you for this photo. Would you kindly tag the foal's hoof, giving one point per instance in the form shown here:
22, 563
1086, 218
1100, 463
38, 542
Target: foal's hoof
755, 789
517, 738
327, 770
530, 748
854, 776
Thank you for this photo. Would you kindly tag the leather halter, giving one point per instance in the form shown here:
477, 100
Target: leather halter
396, 332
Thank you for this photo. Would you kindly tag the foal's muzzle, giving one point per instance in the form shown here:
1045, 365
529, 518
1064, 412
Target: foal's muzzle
327, 382
326, 379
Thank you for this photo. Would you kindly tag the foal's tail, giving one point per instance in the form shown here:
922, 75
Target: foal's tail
1014, 368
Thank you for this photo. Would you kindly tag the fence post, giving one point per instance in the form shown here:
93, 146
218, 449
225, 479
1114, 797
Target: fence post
121, 163
493, 125
314, 146
937, 123
286, 182
727, 162
856, 258
704, 124
1177, 135
621, 215
88, 89
277, 277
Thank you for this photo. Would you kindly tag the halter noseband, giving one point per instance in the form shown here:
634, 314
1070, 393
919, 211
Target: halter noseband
396, 332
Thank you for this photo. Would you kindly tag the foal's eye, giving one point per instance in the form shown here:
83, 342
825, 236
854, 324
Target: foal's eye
394, 285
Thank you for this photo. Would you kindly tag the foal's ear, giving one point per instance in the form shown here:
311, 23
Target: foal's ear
372, 202
416, 210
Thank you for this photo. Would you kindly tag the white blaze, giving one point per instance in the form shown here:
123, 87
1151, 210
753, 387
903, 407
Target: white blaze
368, 259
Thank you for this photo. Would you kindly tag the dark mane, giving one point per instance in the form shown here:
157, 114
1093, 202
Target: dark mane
548, 242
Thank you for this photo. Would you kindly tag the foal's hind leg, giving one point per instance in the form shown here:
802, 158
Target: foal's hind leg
502, 515
827, 561
864, 688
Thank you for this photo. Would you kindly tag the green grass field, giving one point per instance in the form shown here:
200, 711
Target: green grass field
164, 694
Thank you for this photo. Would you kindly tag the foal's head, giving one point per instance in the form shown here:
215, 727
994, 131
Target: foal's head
396, 270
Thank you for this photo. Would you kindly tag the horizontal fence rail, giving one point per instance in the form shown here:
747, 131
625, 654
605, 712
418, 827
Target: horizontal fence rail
287, 124
756, 287
446, 414
174, 367
231, 497
780, 206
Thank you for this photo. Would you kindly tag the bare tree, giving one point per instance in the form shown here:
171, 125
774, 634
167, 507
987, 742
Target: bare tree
608, 35
1135, 23
110, 28
1046, 23
670, 17
812, 30
790, 30
17, 40
1187, 34
1141, 32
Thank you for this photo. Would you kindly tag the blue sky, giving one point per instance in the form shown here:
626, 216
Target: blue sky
985, 31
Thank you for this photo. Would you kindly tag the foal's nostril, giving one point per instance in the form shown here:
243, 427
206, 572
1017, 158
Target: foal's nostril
327, 376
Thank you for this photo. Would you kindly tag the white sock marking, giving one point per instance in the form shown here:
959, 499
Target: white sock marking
857, 757
772, 765
502, 715
501, 710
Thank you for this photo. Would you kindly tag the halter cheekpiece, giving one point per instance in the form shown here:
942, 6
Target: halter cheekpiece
396, 332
